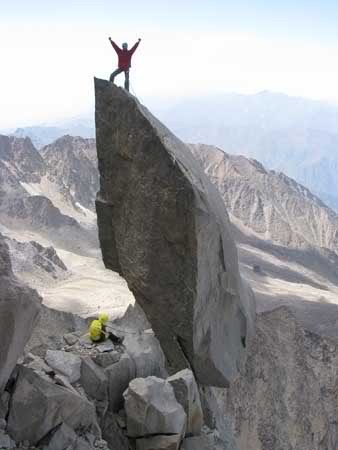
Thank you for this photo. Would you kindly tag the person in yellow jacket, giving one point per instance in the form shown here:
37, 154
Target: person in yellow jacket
98, 332
97, 329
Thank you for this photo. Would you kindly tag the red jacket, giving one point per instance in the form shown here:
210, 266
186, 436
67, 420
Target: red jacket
124, 55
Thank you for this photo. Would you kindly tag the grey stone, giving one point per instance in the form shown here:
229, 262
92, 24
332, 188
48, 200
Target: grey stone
119, 375
171, 442
106, 346
101, 444
62, 380
5, 441
186, 393
285, 396
214, 405
151, 408
28, 358
91, 438
93, 379
121, 420
85, 341
67, 364
39, 365
3, 424
107, 359
4, 404
19, 311
38, 406
205, 442
170, 238
62, 438
134, 318
81, 444
50, 329
113, 434
71, 338
147, 354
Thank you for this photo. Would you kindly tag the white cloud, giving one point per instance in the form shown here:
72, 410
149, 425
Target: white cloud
49, 69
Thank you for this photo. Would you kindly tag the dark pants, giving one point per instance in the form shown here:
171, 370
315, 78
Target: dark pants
126, 77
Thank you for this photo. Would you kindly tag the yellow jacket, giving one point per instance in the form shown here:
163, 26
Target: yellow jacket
95, 330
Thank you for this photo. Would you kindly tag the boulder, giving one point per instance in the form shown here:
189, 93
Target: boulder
39, 405
36, 363
3, 424
106, 346
63, 438
113, 434
19, 311
95, 383
81, 444
206, 442
119, 375
151, 408
107, 359
161, 442
61, 380
133, 318
147, 354
4, 404
186, 393
5, 441
50, 329
164, 227
65, 363
71, 338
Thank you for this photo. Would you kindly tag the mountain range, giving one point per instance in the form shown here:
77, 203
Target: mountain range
289, 134
50, 192
293, 135
287, 237
44, 134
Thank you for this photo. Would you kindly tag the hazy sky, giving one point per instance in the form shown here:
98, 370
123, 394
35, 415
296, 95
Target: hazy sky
50, 50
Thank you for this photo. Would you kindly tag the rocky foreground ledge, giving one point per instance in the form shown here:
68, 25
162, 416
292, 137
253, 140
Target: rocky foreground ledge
165, 229
60, 391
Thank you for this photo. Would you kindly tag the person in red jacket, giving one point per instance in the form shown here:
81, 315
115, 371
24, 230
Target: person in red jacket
124, 65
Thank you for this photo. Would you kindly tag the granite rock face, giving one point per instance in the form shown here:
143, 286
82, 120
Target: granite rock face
152, 409
186, 393
52, 405
165, 229
65, 363
286, 395
19, 310
161, 442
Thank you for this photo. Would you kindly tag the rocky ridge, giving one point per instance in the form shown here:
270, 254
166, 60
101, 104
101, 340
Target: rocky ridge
285, 397
76, 389
30, 259
43, 192
72, 163
19, 308
269, 203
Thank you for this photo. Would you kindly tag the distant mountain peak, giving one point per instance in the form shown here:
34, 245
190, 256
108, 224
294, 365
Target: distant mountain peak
269, 203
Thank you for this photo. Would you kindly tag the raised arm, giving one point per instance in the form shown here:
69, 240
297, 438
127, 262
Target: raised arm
134, 47
116, 47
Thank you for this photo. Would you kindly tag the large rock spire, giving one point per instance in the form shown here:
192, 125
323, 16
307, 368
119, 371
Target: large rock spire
164, 228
